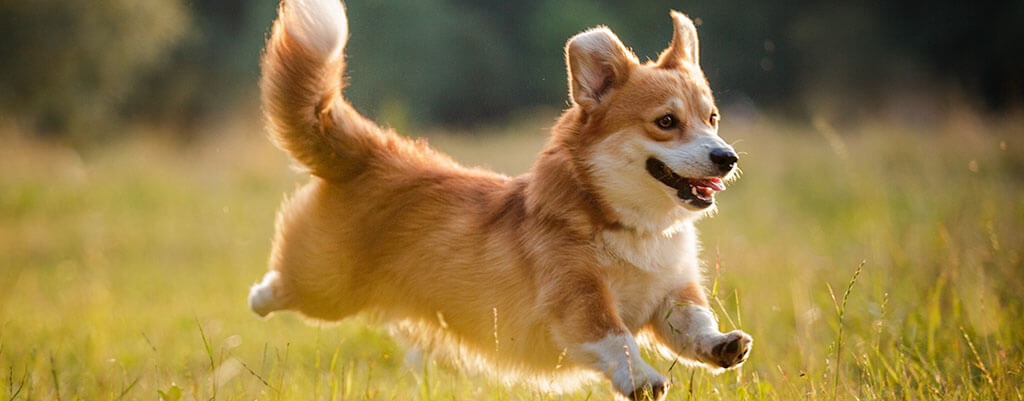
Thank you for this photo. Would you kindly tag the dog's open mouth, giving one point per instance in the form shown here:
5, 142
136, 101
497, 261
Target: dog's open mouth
697, 192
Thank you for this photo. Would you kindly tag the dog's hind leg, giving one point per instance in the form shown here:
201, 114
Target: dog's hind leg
310, 268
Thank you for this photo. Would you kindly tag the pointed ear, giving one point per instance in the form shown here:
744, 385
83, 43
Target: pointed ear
684, 46
597, 64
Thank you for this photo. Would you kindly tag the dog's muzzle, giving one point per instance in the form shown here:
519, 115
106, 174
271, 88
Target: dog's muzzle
696, 192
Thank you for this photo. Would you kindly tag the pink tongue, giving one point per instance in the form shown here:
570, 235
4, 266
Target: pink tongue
712, 183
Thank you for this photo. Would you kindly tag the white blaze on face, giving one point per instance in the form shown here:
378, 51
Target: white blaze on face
691, 158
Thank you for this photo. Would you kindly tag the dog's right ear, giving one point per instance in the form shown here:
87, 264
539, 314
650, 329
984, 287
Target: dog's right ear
597, 64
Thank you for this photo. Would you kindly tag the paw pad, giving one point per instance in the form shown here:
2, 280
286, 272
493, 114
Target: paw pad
733, 350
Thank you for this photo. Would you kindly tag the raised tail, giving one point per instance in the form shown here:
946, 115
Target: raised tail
301, 91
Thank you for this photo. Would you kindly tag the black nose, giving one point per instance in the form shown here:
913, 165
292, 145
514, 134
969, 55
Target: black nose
724, 158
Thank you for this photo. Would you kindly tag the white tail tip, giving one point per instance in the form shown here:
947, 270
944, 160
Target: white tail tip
320, 25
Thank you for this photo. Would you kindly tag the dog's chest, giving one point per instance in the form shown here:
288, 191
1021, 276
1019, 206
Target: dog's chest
643, 270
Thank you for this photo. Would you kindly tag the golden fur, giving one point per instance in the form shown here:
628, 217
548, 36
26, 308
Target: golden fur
562, 265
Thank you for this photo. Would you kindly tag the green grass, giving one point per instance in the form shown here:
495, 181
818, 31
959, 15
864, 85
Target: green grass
124, 271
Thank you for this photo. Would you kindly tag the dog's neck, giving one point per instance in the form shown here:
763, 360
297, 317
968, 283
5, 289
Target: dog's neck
559, 191
556, 192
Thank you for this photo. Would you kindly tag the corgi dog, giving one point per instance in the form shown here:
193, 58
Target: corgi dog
550, 276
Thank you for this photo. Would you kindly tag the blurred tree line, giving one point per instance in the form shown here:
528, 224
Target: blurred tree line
81, 67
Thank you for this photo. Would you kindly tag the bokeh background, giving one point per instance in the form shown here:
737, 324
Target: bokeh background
872, 246
80, 69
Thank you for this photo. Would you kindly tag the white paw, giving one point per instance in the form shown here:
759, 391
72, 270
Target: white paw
728, 350
640, 381
261, 296
618, 357
650, 388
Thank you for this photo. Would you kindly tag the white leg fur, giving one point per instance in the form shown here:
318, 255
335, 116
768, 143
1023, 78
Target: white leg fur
320, 25
701, 326
261, 296
696, 336
618, 358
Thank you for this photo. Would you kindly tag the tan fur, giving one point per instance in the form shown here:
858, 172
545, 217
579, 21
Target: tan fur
518, 273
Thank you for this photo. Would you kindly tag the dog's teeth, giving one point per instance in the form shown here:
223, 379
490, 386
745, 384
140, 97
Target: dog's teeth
693, 190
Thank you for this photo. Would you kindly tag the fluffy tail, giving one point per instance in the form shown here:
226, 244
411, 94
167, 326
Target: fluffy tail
301, 91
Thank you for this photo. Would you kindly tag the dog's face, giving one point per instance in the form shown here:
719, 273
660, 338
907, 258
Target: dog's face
651, 130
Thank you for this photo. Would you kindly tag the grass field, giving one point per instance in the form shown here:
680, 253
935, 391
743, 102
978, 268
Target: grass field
124, 271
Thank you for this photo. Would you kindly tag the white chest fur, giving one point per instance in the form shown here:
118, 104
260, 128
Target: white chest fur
672, 250
643, 269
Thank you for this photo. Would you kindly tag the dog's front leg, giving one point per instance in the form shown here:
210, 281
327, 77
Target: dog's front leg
687, 326
587, 325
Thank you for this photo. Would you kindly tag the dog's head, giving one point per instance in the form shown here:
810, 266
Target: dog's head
647, 134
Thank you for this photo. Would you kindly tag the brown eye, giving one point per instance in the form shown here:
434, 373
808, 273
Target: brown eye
666, 122
713, 119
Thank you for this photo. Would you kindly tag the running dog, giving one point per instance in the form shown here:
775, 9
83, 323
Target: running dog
546, 276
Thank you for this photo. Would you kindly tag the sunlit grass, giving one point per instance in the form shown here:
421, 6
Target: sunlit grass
125, 270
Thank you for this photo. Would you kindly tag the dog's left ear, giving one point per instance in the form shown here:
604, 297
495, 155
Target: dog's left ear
598, 63
684, 46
